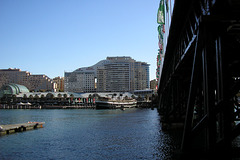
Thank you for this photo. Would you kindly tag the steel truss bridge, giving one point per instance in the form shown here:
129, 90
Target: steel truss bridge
200, 81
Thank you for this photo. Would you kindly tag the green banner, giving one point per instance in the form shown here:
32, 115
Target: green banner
161, 13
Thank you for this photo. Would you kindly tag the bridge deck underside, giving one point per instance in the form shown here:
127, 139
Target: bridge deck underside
200, 81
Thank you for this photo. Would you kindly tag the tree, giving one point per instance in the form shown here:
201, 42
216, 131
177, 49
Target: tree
59, 95
89, 96
36, 96
14, 98
42, 96
133, 97
121, 95
146, 97
50, 96
139, 98
25, 96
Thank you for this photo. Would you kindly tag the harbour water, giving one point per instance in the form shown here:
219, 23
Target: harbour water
86, 134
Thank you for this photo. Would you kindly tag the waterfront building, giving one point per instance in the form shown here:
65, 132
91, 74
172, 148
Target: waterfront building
12, 89
81, 80
143, 94
118, 74
41, 83
14, 76
153, 85
123, 74
32, 82
115, 74
141, 76
101, 78
16, 94
59, 83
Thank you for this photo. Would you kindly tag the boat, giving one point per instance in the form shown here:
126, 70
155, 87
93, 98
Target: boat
115, 104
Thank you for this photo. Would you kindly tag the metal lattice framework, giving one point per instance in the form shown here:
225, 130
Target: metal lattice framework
200, 82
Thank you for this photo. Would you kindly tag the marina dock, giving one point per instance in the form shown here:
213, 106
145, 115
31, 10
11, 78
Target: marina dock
82, 106
13, 128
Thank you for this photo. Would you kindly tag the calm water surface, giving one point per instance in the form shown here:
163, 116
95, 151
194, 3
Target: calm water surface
86, 134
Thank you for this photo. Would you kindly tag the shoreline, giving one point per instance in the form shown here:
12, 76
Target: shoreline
47, 107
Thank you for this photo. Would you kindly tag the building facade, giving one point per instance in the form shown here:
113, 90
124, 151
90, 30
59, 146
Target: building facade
81, 80
118, 73
153, 84
17, 96
32, 82
115, 74
59, 83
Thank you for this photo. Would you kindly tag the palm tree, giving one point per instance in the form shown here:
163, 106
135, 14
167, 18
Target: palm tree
31, 96
14, 98
59, 95
50, 96
36, 97
42, 98
24, 97
133, 97
65, 98
90, 97
121, 95
71, 98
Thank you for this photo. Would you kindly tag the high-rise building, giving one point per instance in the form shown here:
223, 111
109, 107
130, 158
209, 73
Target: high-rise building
116, 74
153, 84
101, 78
32, 82
81, 80
60, 83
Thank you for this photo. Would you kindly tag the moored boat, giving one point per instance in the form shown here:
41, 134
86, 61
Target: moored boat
115, 104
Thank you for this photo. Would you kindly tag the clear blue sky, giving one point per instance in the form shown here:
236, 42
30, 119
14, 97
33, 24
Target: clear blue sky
52, 36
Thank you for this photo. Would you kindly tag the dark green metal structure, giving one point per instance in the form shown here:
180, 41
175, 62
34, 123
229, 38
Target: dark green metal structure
200, 82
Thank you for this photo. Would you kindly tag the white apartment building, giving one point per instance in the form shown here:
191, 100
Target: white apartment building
81, 80
115, 74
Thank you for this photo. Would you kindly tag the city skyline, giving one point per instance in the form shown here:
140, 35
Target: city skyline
53, 37
119, 74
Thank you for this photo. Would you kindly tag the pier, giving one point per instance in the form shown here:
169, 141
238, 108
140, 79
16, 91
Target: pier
200, 81
13, 128
83, 106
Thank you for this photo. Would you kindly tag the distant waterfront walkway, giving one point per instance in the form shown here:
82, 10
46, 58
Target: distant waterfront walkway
141, 104
5, 106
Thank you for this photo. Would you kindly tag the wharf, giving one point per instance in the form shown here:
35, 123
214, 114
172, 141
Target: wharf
13, 128
5, 106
